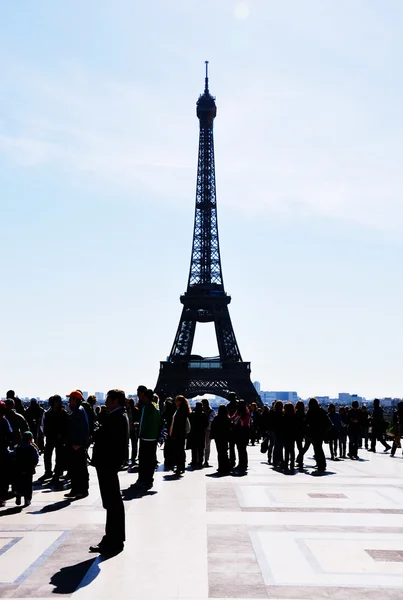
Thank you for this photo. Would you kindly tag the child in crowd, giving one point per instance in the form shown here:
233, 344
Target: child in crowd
26, 458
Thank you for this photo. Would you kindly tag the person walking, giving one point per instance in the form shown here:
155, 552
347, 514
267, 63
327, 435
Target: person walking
318, 425
378, 427
207, 442
77, 442
149, 429
109, 452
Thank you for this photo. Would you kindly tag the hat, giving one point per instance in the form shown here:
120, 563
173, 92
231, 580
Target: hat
75, 394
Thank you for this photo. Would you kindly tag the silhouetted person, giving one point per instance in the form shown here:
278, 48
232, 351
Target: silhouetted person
317, 428
169, 411
77, 441
55, 424
110, 447
149, 430
25, 459
335, 431
133, 413
354, 429
6, 436
290, 434
278, 430
220, 432
210, 414
180, 428
232, 407
300, 429
378, 427
397, 428
364, 427
199, 422
34, 416
343, 432
17, 422
241, 422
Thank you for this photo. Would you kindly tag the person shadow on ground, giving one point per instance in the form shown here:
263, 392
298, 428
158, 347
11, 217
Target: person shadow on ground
68, 579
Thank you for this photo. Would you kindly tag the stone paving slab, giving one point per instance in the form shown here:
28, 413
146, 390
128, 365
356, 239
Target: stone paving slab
266, 535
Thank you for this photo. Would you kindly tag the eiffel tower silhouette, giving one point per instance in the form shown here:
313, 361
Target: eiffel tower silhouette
205, 299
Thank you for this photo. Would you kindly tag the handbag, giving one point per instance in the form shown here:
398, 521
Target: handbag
264, 446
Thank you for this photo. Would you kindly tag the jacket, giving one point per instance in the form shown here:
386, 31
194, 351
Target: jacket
26, 458
78, 430
111, 440
149, 428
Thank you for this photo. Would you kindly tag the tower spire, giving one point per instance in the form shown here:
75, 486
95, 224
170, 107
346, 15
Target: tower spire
206, 79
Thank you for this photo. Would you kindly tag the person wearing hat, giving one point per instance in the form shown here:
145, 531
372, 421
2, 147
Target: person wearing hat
77, 441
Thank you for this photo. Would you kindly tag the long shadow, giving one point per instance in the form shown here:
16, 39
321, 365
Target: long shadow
172, 477
134, 493
324, 474
67, 580
217, 475
13, 510
48, 508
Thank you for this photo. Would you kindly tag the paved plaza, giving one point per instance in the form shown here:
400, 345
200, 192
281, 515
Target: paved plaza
265, 535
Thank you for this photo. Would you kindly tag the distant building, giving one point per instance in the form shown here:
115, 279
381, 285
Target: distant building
256, 385
270, 397
345, 398
85, 395
100, 396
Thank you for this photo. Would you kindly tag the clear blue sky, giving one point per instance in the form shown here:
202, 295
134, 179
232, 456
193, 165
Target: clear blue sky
98, 157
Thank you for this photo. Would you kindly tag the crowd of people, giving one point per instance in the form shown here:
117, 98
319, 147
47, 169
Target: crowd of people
124, 434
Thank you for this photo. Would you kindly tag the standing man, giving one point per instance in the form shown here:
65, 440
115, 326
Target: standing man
149, 430
55, 425
77, 441
110, 448
207, 442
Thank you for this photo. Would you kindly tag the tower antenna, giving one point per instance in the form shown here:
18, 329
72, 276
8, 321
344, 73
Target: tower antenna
206, 80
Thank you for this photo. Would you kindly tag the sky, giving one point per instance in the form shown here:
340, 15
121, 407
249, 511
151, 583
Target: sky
98, 160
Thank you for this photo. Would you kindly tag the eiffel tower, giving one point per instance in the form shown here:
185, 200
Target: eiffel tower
205, 300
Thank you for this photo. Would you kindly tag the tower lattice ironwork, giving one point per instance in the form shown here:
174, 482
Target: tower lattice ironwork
205, 299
